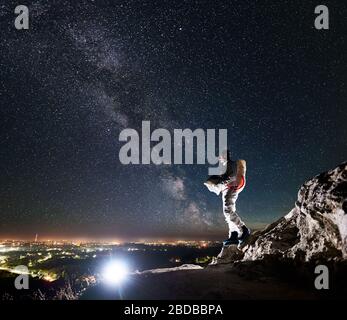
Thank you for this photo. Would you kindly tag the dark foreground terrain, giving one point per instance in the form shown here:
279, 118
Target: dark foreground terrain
240, 281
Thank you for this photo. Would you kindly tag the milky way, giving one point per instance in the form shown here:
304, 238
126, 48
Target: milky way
86, 70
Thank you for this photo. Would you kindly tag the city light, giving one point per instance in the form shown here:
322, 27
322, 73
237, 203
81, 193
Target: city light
115, 272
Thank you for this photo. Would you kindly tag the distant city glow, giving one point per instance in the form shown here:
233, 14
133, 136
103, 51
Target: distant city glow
8, 249
115, 272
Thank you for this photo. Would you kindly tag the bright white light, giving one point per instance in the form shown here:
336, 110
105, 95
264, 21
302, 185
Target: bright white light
115, 272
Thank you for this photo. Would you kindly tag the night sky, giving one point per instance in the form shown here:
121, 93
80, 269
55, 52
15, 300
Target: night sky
88, 69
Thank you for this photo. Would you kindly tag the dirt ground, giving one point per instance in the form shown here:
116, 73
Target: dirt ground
216, 282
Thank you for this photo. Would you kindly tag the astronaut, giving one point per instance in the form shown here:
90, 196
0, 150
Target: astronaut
230, 184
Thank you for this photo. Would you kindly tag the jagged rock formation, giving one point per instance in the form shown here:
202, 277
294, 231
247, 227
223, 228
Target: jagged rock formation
315, 229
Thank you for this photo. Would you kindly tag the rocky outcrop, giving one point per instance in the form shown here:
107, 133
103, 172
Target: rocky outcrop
315, 229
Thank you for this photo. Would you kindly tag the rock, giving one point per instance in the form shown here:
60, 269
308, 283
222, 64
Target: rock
228, 255
315, 229
179, 268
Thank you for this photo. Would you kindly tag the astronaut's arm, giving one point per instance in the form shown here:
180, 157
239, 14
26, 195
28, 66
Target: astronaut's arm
241, 171
214, 184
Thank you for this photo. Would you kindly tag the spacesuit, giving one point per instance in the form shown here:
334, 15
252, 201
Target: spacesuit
230, 184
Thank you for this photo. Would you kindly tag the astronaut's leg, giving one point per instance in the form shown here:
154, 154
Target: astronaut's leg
229, 209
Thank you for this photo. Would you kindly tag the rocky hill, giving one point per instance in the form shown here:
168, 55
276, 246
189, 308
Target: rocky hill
315, 229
